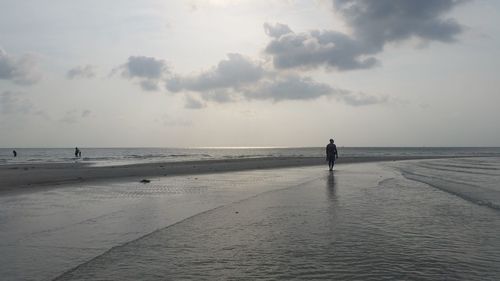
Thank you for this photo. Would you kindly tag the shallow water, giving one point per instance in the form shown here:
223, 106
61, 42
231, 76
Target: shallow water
476, 179
363, 222
46, 232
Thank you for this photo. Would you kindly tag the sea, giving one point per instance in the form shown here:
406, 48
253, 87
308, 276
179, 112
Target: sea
125, 156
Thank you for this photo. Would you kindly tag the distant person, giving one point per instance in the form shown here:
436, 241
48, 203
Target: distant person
331, 154
14, 152
77, 152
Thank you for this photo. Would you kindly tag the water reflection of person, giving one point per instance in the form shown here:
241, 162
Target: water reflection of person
331, 181
330, 187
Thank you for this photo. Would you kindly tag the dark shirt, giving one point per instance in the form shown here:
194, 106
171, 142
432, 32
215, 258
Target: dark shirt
331, 150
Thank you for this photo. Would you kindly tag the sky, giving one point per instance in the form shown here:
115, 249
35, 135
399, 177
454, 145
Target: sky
216, 73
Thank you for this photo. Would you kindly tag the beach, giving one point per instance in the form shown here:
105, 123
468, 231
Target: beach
365, 221
249, 140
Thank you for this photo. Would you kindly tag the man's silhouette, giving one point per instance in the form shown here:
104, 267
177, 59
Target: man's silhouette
331, 154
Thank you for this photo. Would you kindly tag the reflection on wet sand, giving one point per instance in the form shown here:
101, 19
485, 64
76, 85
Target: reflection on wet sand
330, 186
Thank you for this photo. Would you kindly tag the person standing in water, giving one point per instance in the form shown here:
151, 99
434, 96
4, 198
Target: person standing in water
331, 154
14, 152
77, 152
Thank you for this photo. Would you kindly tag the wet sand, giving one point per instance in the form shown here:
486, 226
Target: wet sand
45, 232
35, 175
362, 222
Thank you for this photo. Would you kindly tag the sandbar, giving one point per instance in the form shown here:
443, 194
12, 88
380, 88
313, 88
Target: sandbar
33, 175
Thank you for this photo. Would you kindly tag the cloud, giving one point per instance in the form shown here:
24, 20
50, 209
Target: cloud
73, 116
149, 85
144, 67
361, 99
314, 48
290, 87
174, 121
276, 30
15, 106
86, 113
383, 21
373, 24
240, 78
294, 87
22, 70
87, 71
149, 71
12, 103
235, 71
193, 103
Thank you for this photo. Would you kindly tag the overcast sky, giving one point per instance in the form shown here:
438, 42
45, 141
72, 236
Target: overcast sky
249, 73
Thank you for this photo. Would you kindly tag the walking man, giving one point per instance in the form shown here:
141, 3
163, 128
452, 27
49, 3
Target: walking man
331, 154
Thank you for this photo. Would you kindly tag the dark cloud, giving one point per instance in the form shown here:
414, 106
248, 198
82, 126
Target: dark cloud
233, 72
148, 71
377, 22
86, 71
374, 24
22, 70
314, 48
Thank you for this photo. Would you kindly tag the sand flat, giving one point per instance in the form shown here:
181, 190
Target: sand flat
15, 176
363, 222
304, 222
47, 231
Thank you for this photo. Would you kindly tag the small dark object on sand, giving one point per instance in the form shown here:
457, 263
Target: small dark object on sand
145, 181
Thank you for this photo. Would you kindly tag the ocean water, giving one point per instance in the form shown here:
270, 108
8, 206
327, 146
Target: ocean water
120, 156
433, 219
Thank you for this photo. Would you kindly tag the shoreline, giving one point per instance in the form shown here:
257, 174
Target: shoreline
14, 176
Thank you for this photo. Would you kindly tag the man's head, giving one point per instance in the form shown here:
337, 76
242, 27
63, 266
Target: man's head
331, 140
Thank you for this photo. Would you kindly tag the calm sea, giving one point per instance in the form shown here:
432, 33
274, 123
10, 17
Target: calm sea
121, 156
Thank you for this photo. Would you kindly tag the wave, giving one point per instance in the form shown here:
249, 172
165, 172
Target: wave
467, 180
